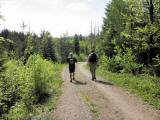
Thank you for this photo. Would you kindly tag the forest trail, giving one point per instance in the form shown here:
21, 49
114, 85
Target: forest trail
99, 100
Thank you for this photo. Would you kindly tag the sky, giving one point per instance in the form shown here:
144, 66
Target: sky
56, 16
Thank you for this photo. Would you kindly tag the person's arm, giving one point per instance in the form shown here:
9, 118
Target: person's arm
88, 59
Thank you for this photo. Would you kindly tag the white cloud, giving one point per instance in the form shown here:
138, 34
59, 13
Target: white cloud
57, 16
78, 6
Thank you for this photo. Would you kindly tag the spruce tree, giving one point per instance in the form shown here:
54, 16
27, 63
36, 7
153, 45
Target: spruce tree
76, 44
49, 51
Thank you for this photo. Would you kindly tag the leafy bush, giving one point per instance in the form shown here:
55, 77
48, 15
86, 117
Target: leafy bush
81, 57
1, 96
129, 63
104, 62
42, 74
25, 86
12, 84
125, 63
112, 64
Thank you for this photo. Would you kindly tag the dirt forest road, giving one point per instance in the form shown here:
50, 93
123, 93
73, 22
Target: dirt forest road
85, 99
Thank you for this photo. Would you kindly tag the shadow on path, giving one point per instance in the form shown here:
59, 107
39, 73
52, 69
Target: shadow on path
104, 82
77, 82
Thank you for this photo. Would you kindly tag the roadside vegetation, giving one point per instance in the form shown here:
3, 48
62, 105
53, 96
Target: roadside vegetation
30, 90
30, 72
129, 47
143, 85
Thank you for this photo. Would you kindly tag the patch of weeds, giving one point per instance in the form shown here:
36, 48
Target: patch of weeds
92, 106
145, 86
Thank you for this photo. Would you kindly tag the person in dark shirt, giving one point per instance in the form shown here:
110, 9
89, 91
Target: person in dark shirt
92, 61
71, 61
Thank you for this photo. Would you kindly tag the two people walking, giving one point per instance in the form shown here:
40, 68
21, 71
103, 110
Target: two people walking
92, 61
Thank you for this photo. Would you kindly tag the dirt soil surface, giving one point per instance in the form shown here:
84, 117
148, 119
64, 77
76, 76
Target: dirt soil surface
84, 99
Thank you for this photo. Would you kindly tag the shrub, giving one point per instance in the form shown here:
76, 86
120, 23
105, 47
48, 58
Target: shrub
12, 84
104, 62
112, 64
24, 86
129, 63
42, 74
81, 57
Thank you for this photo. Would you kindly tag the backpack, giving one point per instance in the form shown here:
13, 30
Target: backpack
93, 57
71, 61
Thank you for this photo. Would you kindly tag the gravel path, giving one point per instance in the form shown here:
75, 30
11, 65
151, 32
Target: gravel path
71, 106
101, 100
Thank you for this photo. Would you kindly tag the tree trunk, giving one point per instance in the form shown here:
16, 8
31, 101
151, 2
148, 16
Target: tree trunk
151, 15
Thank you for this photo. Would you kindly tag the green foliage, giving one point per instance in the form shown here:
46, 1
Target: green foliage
130, 36
84, 46
41, 73
81, 57
76, 44
104, 61
129, 63
49, 51
65, 48
17, 43
47, 48
112, 64
25, 86
12, 84
30, 46
3, 51
121, 63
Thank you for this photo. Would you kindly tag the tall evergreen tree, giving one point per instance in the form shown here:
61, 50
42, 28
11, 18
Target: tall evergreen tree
2, 50
49, 51
76, 44
30, 46
113, 25
132, 25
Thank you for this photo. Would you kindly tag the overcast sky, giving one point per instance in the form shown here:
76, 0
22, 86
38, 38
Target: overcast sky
56, 16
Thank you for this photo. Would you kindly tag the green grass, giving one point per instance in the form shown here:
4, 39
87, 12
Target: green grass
92, 106
145, 86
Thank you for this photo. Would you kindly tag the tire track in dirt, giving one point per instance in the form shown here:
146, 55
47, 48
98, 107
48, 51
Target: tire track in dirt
105, 101
120, 104
70, 106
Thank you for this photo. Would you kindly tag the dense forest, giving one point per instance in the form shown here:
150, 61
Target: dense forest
128, 43
129, 47
130, 38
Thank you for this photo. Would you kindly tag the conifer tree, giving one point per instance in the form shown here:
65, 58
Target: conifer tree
49, 51
76, 44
